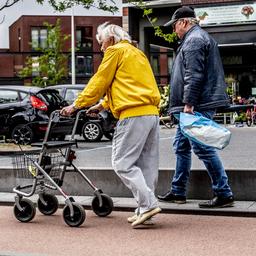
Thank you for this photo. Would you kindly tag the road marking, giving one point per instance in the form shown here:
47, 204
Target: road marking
93, 149
97, 148
167, 138
110, 146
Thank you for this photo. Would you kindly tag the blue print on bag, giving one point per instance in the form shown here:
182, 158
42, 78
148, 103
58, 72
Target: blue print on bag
203, 130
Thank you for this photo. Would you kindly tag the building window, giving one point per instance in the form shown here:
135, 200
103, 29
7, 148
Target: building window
154, 59
84, 65
84, 39
38, 38
35, 66
161, 59
170, 62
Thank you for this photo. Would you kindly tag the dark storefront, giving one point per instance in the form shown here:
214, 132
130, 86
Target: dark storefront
234, 28
159, 51
227, 21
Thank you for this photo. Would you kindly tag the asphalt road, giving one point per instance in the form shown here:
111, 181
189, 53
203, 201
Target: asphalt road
172, 234
239, 154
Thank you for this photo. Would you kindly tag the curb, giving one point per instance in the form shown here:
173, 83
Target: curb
240, 208
17, 152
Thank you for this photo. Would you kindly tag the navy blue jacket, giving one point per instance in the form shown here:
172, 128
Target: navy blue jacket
197, 76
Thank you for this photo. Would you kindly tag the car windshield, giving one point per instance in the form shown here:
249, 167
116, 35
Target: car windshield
51, 97
71, 95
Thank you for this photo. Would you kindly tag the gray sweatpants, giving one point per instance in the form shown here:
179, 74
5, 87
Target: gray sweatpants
135, 158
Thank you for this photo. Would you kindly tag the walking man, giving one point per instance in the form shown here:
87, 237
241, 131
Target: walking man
197, 84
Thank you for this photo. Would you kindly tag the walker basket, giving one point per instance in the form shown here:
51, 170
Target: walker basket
25, 168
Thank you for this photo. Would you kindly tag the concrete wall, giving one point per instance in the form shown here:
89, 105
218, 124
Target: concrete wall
242, 182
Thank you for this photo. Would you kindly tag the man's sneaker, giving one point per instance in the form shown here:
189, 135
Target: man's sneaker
135, 217
145, 216
171, 198
218, 202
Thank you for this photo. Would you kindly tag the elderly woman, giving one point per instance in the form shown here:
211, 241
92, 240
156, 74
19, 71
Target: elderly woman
131, 93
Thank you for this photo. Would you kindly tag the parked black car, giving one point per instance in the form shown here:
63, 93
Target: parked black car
69, 92
25, 111
92, 129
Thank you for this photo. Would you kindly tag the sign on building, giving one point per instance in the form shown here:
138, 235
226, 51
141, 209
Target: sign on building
241, 13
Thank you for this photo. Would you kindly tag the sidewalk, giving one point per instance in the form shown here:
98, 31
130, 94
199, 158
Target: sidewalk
240, 208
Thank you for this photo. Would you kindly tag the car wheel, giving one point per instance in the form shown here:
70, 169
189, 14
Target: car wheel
92, 131
22, 134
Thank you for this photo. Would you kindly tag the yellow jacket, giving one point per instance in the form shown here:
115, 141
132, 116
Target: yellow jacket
125, 76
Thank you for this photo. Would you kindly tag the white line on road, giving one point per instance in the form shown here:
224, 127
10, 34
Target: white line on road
167, 138
110, 146
5, 158
98, 148
93, 149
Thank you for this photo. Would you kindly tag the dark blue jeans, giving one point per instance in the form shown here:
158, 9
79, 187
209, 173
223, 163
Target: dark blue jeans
182, 148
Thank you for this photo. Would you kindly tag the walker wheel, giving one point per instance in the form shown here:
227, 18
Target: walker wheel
106, 208
28, 211
51, 204
77, 219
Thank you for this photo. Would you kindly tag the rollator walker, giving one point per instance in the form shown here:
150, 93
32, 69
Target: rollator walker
45, 171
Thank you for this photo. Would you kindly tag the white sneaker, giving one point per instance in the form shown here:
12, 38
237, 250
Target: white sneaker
141, 219
132, 218
135, 217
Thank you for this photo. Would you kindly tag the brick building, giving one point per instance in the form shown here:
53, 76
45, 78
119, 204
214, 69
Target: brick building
23, 30
29, 29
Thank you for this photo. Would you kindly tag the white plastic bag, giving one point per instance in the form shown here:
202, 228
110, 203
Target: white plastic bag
203, 130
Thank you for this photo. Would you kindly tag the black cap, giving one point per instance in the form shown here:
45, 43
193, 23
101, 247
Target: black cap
182, 12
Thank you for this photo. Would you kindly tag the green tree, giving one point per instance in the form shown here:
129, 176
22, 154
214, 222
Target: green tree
62, 5
50, 66
148, 14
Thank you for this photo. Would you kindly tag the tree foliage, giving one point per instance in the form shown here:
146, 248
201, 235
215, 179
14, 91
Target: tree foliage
51, 65
7, 3
148, 13
62, 5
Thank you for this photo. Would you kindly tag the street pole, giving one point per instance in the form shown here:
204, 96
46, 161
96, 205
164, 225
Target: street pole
73, 63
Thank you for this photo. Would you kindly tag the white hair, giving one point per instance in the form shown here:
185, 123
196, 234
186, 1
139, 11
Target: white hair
107, 30
192, 21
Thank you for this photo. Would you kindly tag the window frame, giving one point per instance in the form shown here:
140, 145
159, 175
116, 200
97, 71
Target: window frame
39, 30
